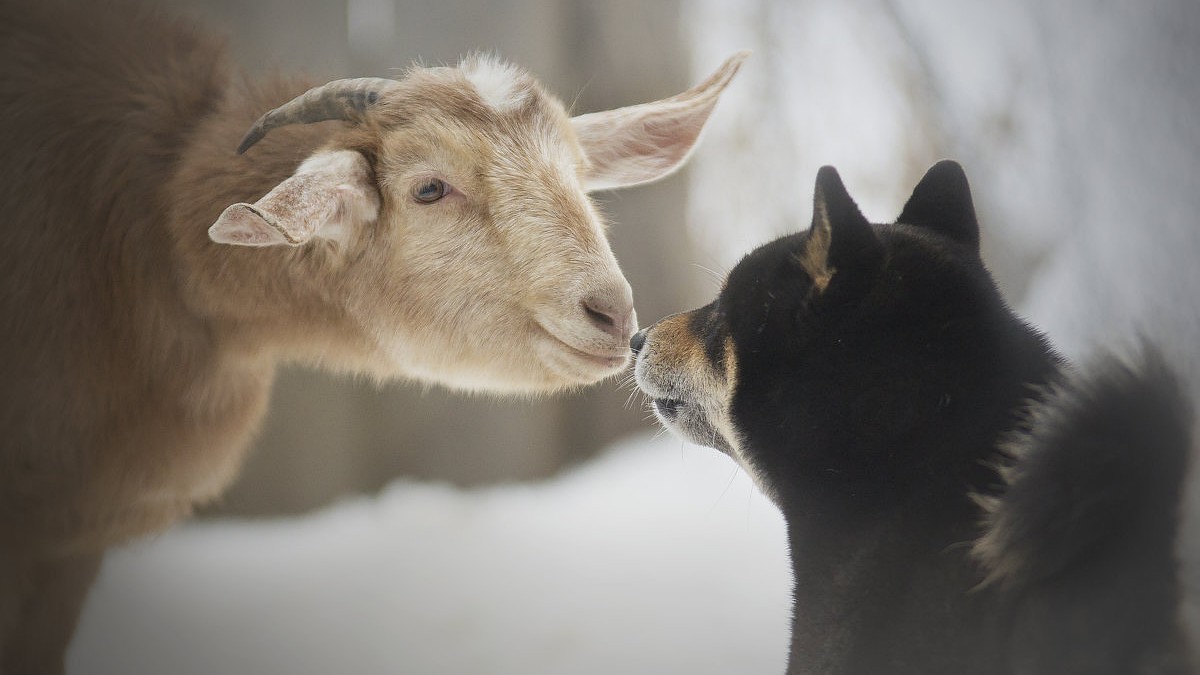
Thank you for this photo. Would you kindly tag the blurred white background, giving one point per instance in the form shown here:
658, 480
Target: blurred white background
1076, 122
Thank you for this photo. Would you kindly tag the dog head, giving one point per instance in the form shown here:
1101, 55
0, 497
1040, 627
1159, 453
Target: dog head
826, 346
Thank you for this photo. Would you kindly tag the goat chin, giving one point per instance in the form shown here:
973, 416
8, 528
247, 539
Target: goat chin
546, 363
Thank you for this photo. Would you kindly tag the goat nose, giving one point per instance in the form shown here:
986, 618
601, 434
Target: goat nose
637, 342
614, 318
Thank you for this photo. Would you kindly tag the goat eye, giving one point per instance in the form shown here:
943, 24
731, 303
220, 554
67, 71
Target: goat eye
430, 191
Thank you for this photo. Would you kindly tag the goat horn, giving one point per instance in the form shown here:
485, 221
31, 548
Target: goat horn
336, 100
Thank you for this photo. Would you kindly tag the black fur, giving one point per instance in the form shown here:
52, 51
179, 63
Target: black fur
1084, 532
942, 202
878, 372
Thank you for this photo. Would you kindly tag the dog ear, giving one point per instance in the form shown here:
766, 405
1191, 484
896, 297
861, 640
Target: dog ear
840, 237
942, 202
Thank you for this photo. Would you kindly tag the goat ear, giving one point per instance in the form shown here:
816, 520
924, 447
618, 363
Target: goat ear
841, 238
329, 194
942, 202
642, 143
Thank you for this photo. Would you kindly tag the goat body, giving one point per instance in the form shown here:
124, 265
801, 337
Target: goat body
146, 304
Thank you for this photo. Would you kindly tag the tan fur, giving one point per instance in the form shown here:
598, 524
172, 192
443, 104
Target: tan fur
674, 364
815, 258
138, 354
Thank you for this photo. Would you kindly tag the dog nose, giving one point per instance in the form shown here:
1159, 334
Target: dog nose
637, 341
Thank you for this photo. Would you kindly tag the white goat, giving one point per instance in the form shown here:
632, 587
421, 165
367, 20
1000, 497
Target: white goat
441, 230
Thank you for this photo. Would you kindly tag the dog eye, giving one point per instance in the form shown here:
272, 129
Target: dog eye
430, 190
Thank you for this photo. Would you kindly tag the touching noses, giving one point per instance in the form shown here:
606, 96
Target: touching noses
637, 342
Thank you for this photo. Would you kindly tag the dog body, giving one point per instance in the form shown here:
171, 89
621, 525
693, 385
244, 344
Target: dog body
957, 502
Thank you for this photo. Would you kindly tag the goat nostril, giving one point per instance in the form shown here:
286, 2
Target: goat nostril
598, 316
637, 341
615, 318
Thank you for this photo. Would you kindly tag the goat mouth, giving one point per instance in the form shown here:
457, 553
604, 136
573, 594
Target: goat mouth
606, 360
603, 359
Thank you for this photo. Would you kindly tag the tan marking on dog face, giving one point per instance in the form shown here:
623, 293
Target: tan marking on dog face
725, 422
678, 347
674, 364
673, 367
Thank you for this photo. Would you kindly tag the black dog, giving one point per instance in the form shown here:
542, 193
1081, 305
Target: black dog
958, 500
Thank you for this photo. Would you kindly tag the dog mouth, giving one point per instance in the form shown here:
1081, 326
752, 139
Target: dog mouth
678, 404
664, 399
667, 408
603, 359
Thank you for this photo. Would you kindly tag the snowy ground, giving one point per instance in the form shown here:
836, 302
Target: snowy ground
656, 558
1077, 124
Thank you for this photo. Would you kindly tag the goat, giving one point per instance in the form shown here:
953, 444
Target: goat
436, 228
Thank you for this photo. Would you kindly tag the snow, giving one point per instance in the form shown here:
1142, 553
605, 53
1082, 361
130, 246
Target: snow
657, 557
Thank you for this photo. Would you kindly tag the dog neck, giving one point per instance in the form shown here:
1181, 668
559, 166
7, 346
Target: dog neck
880, 552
